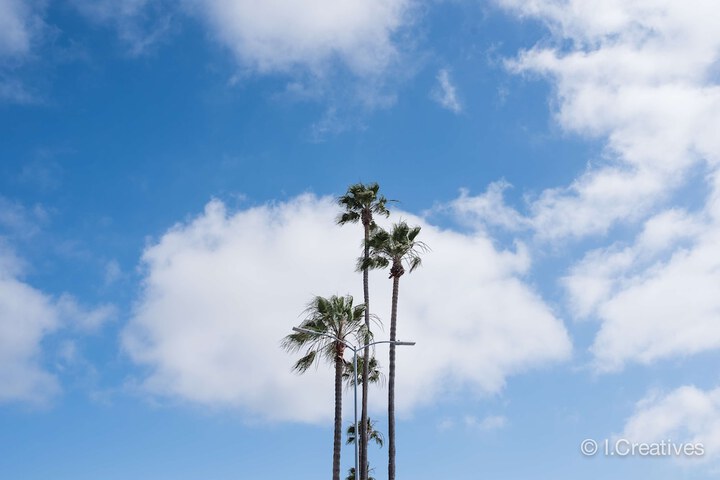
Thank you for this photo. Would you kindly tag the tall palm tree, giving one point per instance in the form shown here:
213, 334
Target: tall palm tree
361, 203
395, 249
327, 321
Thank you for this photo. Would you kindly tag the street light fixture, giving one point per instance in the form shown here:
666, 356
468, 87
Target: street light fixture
354, 350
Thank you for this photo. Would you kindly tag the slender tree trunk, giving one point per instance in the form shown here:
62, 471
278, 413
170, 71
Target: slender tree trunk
391, 380
366, 362
337, 439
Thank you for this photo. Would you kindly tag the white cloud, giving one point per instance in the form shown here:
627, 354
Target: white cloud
669, 309
594, 202
487, 209
221, 291
445, 93
643, 76
656, 298
279, 35
687, 414
27, 317
19, 27
602, 272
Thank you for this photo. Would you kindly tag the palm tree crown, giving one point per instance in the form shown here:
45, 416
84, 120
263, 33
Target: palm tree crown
329, 318
360, 203
395, 248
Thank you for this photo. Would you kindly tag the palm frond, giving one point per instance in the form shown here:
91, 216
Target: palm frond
348, 217
302, 365
415, 262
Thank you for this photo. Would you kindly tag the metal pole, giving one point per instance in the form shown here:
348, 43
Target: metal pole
357, 438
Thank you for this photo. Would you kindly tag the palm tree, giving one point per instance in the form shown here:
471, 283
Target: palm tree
394, 249
327, 322
360, 203
373, 435
375, 375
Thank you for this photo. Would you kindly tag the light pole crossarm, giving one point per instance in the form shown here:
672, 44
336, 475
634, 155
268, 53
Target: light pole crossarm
391, 342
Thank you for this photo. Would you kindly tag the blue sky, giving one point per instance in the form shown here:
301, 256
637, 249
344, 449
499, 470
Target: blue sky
168, 173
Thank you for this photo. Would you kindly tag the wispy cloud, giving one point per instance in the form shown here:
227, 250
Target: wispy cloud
445, 92
20, 25
113, 272
473, 422
140, 24
21, 30
19, 220
12, 90
486, 424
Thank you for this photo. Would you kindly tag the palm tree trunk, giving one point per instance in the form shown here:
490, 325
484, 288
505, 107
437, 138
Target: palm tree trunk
338, 411
391, 381
366, 362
